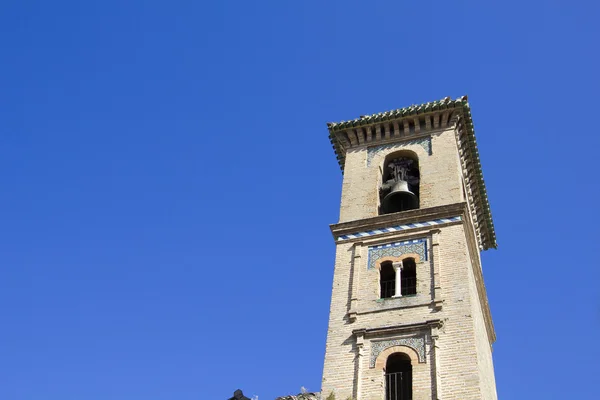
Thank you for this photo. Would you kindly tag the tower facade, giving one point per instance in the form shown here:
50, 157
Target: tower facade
409, 316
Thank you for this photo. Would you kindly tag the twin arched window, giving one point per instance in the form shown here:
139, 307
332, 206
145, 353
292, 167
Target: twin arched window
398, 279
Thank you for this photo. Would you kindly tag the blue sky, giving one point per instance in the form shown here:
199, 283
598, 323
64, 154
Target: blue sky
167, 185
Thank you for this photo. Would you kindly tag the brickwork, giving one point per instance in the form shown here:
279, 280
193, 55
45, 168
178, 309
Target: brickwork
445, 321
440, 176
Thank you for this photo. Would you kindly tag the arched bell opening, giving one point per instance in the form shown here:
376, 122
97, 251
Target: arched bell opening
400, 183
398, 377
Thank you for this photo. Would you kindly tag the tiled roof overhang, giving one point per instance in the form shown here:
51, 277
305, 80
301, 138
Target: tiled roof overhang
460, 111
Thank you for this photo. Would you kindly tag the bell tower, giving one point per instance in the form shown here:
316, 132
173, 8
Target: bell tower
409, 316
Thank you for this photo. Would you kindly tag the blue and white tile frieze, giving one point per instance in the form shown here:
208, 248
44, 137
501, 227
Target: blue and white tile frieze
415, 343
397, 228
397, 249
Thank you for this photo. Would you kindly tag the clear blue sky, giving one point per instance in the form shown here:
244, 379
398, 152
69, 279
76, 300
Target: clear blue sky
167, 185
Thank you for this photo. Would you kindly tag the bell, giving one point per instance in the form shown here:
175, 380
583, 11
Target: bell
400, 198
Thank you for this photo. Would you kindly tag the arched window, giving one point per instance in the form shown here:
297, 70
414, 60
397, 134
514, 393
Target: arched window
387, 280
400, 183
408, 280
398, 377
398, 279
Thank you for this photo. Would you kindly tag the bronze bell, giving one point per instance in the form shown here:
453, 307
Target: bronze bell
400, 198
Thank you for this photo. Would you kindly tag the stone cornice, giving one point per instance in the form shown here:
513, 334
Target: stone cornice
398, 306
386, 330
400, 218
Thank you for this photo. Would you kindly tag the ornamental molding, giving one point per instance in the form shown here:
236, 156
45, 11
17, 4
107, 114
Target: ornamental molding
417, 343
397, 249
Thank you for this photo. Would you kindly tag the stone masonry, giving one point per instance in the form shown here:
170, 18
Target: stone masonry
446, 328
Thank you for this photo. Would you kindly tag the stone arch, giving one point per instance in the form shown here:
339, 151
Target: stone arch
381, 359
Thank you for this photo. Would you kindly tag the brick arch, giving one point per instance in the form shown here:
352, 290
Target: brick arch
420, 146
383, 259
417, 149
398, 152
383, 356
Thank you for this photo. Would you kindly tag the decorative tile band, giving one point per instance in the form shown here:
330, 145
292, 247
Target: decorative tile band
425, 142
416, 343
397, 228
397, 249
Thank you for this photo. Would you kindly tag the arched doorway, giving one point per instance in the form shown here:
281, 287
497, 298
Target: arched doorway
398, 377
